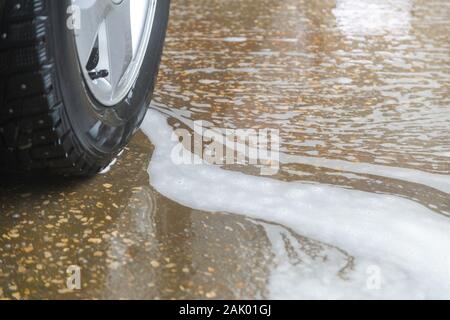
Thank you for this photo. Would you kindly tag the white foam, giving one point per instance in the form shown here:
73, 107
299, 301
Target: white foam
373, 17
319, 273
235, 39
406, 241
437, 181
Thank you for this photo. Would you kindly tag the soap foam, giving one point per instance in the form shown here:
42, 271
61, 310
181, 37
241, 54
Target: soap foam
408, 243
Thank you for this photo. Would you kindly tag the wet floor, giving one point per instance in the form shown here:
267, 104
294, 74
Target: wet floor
360, 94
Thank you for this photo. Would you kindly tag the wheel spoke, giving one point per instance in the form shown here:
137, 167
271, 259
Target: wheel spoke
92, 14
112, 42
119, 41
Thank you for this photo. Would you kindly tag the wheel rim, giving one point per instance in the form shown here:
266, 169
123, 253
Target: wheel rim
111, 39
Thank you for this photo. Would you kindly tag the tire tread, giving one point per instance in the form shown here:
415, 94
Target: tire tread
34, 129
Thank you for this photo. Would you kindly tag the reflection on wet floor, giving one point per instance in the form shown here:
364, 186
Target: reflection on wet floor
362, 82
360, 93
129, 241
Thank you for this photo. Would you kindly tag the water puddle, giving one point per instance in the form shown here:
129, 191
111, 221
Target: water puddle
394, 237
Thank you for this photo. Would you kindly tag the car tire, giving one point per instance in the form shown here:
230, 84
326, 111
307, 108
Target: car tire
49, 119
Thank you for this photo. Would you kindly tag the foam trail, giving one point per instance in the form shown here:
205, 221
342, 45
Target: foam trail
437, 181
406, 241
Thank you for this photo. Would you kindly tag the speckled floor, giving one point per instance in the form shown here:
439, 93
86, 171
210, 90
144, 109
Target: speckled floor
129, 241
355, 90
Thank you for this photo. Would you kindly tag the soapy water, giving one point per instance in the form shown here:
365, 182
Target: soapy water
358, 91
374, 18
440, 182
398, 248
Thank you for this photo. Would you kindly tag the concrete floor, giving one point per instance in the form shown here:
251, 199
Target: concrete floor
354, 90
